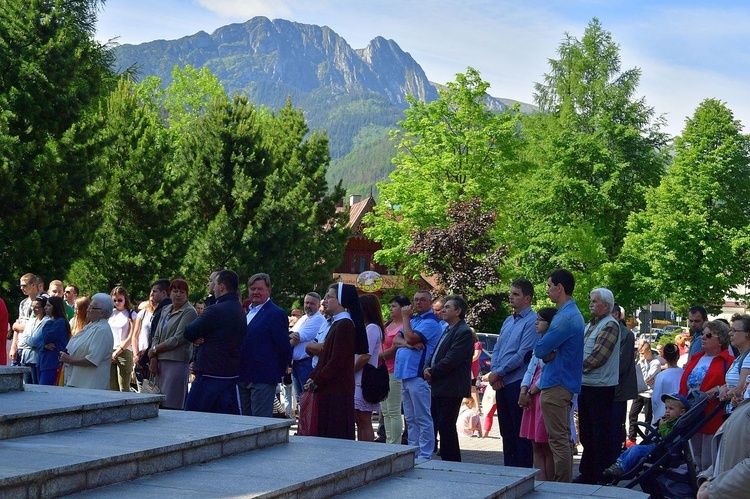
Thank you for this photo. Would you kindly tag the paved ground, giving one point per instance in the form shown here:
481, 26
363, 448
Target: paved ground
480, 450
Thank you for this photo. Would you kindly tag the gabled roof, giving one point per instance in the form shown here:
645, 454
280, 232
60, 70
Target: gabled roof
357, 211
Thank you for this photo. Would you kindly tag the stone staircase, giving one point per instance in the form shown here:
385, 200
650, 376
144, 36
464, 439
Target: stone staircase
92, 443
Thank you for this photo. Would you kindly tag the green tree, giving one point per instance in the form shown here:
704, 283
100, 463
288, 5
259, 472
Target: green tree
451, 149
257, 198
52, 73
132, 200
690, 244
597, 149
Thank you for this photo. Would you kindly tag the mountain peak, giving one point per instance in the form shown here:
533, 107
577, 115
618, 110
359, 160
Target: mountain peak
291, 56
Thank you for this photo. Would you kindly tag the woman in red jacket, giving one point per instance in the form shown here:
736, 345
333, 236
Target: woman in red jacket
705, 373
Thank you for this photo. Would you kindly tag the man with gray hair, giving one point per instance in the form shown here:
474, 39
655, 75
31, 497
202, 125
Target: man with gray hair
89, 353
303, 332
601, 371
265, 352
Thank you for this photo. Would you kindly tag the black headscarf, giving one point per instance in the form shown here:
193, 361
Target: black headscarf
349, 299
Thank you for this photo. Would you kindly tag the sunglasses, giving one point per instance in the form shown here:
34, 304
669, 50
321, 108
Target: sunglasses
708, 335
119, 300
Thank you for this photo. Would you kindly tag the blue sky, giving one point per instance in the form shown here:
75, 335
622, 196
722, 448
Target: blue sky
687, 50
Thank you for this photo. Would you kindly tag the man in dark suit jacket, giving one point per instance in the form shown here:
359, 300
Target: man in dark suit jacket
449, 374
217, 335
266, 352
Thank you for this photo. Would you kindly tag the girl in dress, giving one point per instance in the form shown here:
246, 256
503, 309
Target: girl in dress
468, 422
532, 423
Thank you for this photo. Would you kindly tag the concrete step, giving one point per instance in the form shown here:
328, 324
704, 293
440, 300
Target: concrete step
308, 467
44, 409
444, 479
555, 490
11, 378
66, 462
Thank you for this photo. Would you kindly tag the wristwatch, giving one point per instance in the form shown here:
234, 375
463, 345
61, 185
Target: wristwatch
154, 352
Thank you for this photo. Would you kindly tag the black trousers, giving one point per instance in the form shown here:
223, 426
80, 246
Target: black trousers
595, 421
517, 451
444, 415
635, 409
617, 429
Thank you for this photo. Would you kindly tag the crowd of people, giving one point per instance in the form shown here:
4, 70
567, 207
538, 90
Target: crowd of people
224, 355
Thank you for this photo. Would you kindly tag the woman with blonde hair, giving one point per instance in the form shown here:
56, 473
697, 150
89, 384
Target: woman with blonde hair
80, 319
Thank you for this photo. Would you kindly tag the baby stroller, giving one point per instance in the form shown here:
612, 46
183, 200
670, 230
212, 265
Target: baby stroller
668, 470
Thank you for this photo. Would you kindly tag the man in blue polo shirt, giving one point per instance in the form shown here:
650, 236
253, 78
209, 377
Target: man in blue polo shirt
420, 336
561, 349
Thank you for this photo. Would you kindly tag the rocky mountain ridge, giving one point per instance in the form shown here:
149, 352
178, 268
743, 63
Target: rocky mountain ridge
356, 95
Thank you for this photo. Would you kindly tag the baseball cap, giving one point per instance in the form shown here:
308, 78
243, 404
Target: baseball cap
676, 396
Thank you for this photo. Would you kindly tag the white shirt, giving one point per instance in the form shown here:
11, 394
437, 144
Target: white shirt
254, 311
145, 332
668, 381
323, 332
119, 322
308, 327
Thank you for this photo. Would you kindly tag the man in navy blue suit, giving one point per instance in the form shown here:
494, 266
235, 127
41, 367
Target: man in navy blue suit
266, 352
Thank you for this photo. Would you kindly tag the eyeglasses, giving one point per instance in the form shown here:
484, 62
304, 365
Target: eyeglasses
119, 300
733, 330
22, 286
708, 335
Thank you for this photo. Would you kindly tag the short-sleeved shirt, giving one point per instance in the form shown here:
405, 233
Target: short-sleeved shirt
695, 378
732, 377
408, 360
391, 330
95, 343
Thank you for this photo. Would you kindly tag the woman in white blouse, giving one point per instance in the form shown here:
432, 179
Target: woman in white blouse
121, 322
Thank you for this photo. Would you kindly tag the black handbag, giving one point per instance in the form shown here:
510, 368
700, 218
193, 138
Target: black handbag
375, 383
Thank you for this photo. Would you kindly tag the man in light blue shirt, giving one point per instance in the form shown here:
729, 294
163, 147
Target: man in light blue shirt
561, 349
415, 345
510, 358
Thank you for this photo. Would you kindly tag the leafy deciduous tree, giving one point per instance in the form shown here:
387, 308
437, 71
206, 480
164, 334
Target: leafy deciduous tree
463, 256
597, 150
451, 149
689, 245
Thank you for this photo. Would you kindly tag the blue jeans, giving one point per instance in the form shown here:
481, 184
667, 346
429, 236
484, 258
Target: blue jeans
631, 456
417, 399
301, 370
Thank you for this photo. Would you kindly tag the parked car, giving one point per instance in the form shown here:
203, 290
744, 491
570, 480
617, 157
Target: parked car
488, 344
673, 329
